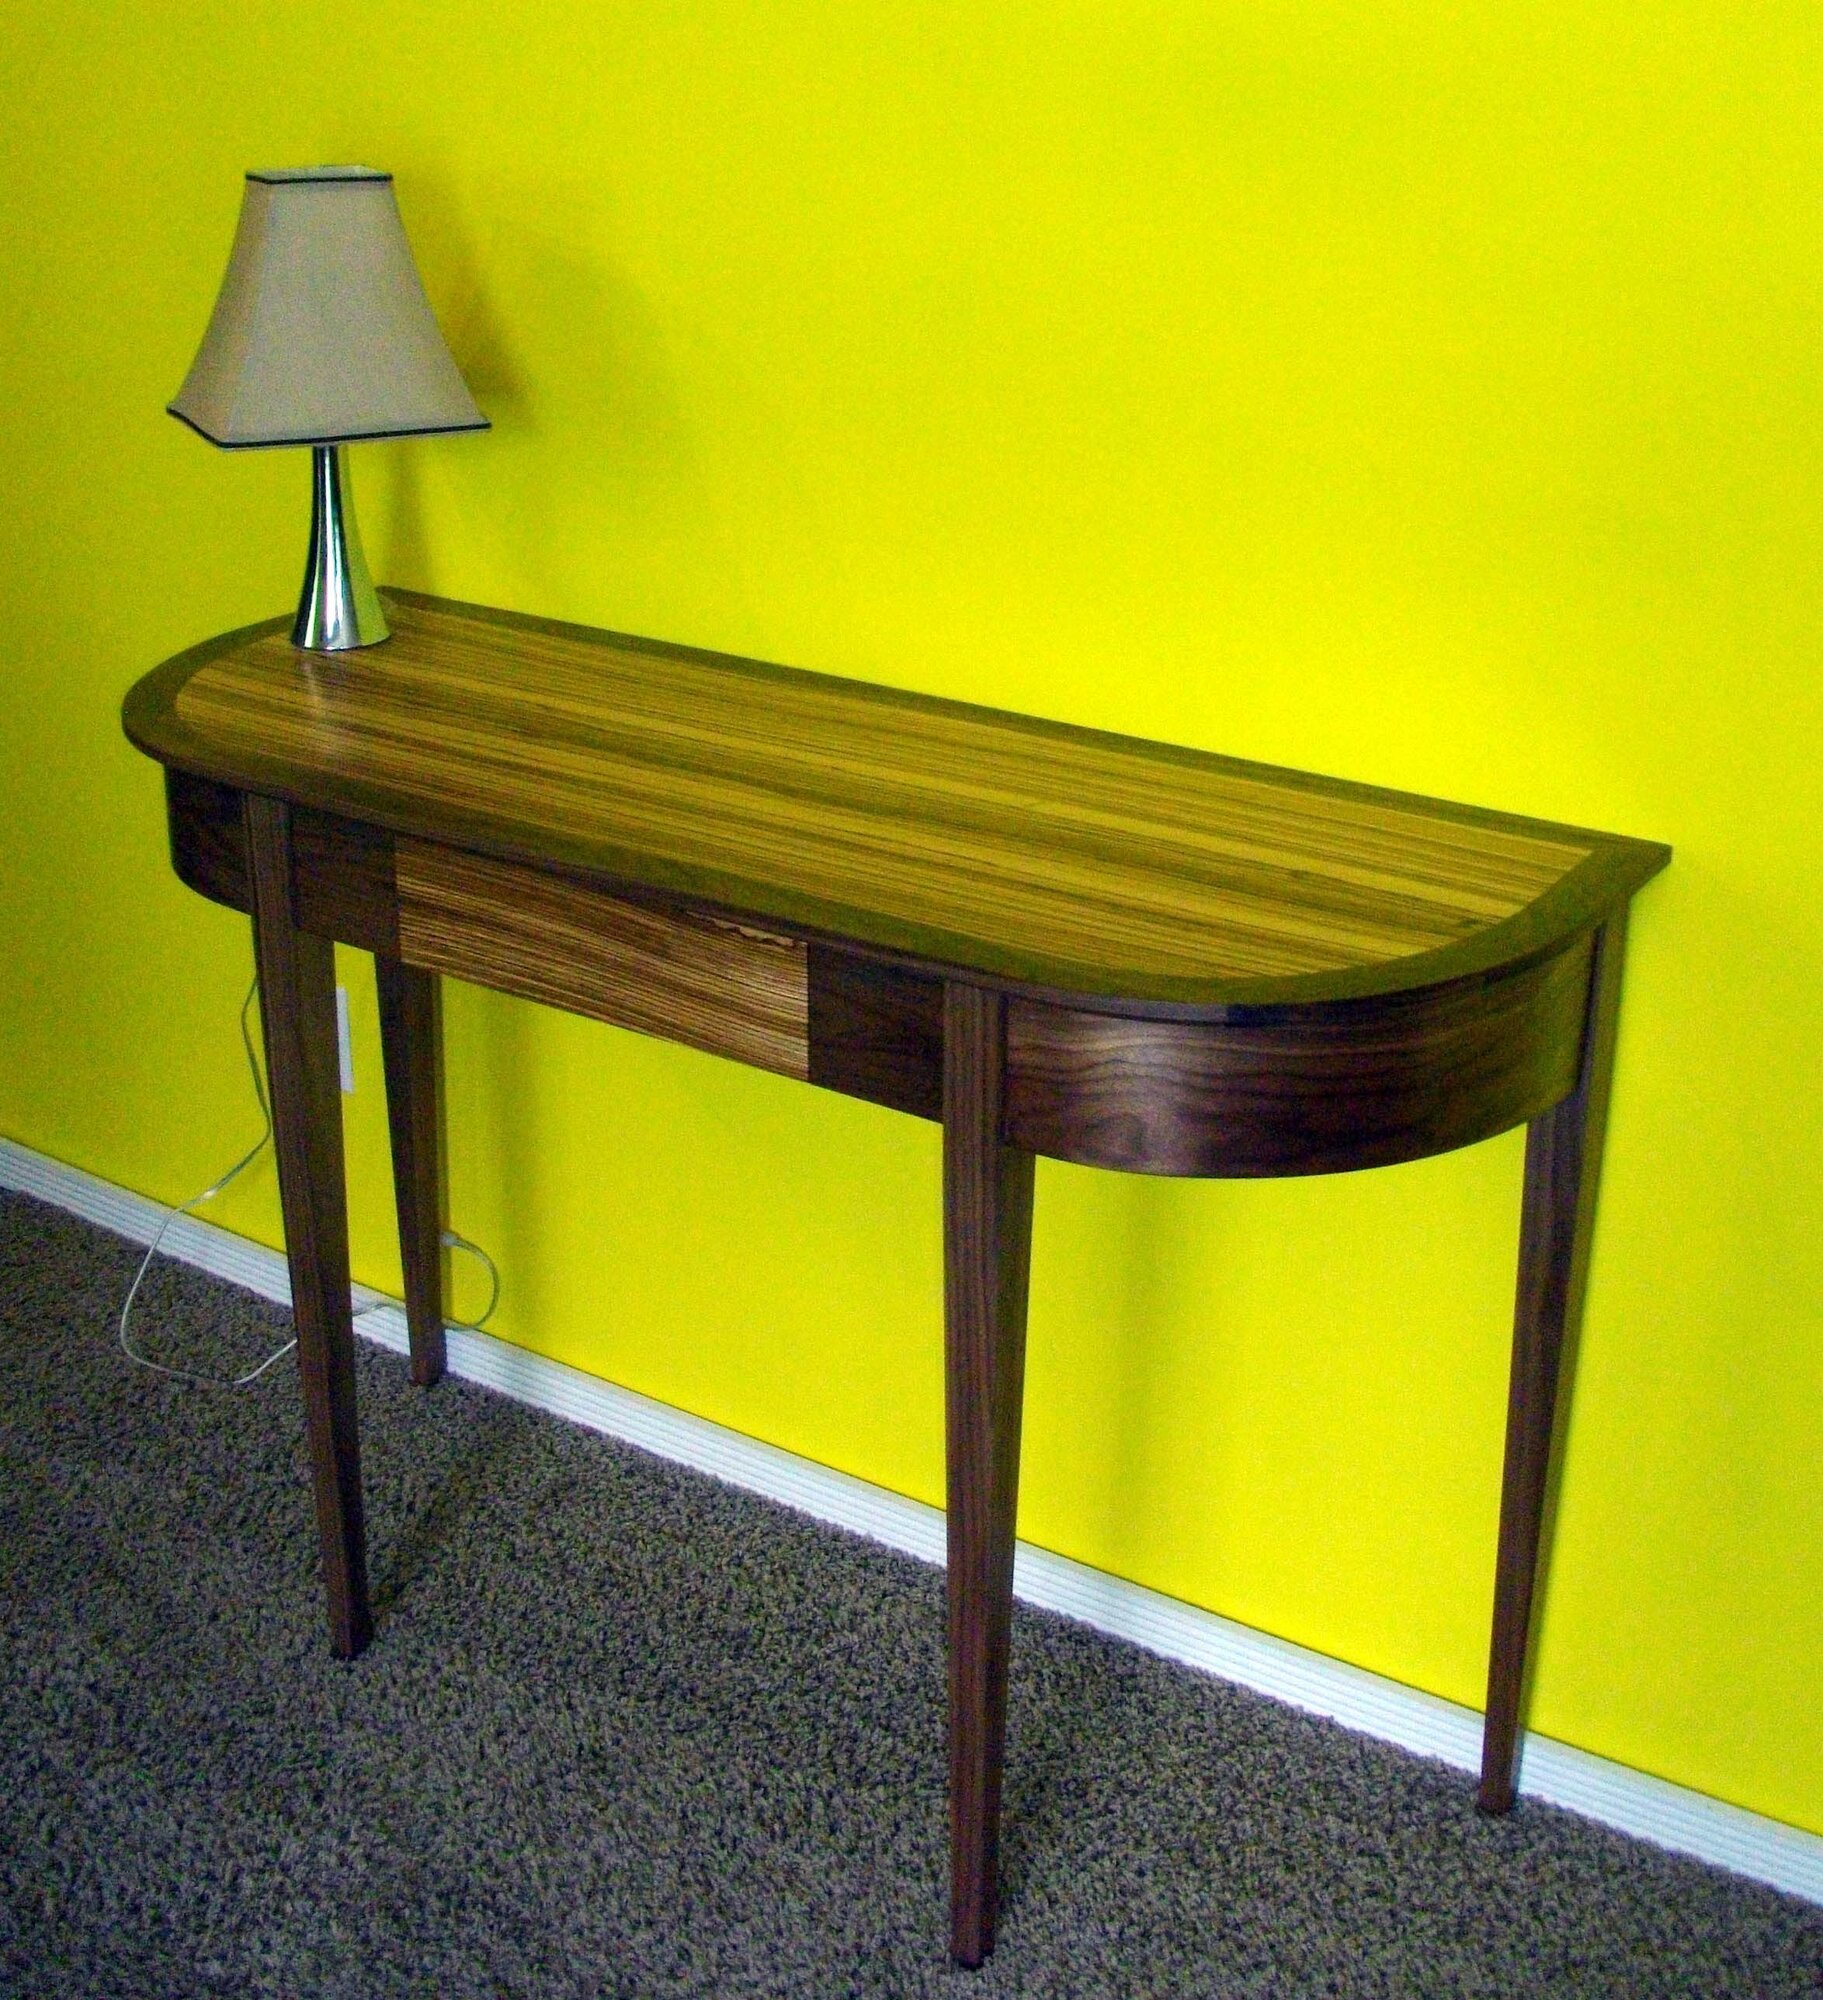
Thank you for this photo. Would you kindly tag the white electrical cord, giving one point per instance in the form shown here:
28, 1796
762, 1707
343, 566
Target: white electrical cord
196, 1201
450, 1239
454, 1242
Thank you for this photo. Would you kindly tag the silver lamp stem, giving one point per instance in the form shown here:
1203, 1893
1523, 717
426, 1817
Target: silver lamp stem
339, 608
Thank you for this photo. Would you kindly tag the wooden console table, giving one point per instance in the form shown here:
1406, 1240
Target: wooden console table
1051, 940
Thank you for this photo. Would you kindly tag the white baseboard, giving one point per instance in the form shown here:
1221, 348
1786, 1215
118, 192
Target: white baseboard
1672, 1816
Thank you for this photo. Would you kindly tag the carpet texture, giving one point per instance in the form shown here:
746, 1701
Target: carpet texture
626, 1731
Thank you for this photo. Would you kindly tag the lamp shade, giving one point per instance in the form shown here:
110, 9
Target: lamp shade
322, 333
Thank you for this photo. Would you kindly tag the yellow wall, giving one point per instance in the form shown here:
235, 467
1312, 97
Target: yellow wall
1429, 395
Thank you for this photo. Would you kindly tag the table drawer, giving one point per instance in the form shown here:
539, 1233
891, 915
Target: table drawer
714, 985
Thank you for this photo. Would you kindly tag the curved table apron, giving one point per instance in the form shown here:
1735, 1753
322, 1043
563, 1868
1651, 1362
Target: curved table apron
1052, 941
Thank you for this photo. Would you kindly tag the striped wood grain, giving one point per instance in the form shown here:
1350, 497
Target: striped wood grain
1088, 862
733, 992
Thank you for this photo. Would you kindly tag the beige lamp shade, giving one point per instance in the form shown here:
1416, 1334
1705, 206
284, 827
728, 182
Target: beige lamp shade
322, 333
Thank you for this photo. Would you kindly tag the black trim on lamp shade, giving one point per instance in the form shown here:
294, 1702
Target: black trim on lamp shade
342, 437
314, 176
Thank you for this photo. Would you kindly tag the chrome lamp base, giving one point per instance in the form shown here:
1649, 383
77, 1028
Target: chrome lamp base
339, 608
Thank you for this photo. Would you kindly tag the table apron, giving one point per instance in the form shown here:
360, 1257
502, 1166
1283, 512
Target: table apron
1364, 1083
1325, 1089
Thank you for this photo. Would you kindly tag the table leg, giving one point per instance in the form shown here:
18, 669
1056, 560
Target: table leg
409, 1043
987, 1240
1562, 1170
297, 1007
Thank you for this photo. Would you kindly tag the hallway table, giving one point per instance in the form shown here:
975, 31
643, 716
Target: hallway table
1051, 940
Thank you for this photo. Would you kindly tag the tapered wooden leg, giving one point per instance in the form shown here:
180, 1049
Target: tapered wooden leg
987, 1240
409, 1046
297, 1006
1562, 1170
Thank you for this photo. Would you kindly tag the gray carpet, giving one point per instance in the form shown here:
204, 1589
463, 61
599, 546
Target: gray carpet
626, 1731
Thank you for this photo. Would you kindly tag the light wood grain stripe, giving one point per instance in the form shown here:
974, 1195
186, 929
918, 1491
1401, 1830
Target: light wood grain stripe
733, 991
1069, 847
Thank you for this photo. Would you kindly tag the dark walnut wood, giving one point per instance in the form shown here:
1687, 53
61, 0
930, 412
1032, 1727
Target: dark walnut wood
345, 887
343, 883
303, 1074
1557, 1224
207, 824
1359, 1083
987, 1247
876, 1031
1053, 940
410, 1044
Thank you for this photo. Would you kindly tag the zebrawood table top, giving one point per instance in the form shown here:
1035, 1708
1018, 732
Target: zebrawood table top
1039, 856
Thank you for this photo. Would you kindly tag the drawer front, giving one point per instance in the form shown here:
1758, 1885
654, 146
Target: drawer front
712, 985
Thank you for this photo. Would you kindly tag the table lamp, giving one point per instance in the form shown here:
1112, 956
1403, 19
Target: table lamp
322, 336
